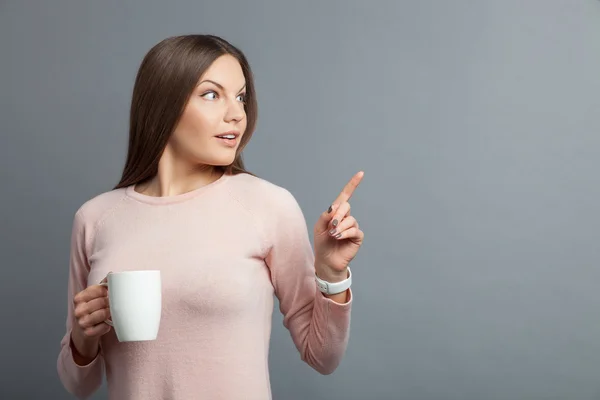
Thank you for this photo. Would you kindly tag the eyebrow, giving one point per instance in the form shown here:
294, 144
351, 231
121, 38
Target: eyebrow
219, 85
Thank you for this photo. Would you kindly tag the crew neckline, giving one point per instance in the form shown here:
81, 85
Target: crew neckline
178, 198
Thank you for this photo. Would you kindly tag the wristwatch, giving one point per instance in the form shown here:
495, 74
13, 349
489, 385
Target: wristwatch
334, 287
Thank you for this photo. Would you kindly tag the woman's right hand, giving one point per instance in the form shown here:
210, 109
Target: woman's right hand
91, 309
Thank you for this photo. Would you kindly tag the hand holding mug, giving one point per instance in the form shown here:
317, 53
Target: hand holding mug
133, 311
92, 310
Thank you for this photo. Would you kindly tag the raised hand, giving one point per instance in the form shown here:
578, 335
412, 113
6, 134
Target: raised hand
337, 236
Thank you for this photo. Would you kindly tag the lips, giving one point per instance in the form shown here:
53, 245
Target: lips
232, 135
229, 139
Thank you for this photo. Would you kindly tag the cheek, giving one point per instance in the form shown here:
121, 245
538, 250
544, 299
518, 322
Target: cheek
196, 123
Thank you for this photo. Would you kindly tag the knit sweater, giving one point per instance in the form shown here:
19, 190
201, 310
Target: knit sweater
225, 250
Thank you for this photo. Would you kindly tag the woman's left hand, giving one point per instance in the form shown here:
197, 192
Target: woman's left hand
337, 236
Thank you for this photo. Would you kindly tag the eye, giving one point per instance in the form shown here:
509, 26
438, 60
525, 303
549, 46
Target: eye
210, 95
242, 98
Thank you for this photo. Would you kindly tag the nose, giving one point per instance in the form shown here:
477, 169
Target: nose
235, 111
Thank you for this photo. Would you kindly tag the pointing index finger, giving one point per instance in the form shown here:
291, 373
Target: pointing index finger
350, 187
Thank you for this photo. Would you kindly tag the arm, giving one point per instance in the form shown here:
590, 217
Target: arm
319, 325
79, 362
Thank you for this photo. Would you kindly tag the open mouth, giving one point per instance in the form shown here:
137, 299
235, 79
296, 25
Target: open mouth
228, 139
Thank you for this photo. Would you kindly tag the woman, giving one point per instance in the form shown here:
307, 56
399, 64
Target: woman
224, 240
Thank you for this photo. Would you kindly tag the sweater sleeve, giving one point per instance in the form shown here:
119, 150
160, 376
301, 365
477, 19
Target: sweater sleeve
81, 381
319, 327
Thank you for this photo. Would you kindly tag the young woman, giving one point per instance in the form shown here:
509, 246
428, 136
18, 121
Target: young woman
224, 240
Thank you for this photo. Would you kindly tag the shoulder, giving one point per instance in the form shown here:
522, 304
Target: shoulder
275, 210
94, 209
260, 194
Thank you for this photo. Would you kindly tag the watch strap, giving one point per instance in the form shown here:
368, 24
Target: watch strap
334, 287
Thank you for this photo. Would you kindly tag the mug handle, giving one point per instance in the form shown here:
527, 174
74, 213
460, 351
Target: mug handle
105, 284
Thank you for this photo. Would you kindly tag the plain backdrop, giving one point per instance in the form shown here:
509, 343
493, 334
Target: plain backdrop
476, 123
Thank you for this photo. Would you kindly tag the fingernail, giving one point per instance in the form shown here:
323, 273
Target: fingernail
332, 232
335, 222
329, 209
339, 235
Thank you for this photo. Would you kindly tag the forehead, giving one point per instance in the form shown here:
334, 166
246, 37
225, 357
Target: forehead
227, 71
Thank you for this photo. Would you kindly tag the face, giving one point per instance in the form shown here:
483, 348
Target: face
213, 122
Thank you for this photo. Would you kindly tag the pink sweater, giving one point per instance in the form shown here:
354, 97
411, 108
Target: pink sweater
223, 251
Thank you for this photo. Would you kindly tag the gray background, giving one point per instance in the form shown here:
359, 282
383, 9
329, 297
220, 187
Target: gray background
476, 123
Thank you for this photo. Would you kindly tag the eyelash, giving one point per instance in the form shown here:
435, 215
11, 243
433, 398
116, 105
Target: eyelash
215, 93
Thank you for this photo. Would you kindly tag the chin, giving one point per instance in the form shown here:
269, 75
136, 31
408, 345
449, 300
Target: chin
215, 156
223, 161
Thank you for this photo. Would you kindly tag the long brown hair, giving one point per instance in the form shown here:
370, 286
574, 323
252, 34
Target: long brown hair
164, 83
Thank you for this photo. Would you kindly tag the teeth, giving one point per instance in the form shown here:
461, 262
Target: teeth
228, 136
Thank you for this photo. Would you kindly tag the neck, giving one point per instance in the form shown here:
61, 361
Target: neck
175, 177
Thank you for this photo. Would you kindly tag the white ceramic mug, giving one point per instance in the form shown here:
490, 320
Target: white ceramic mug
135, 299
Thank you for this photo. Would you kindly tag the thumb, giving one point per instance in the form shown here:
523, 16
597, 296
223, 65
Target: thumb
322, 225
